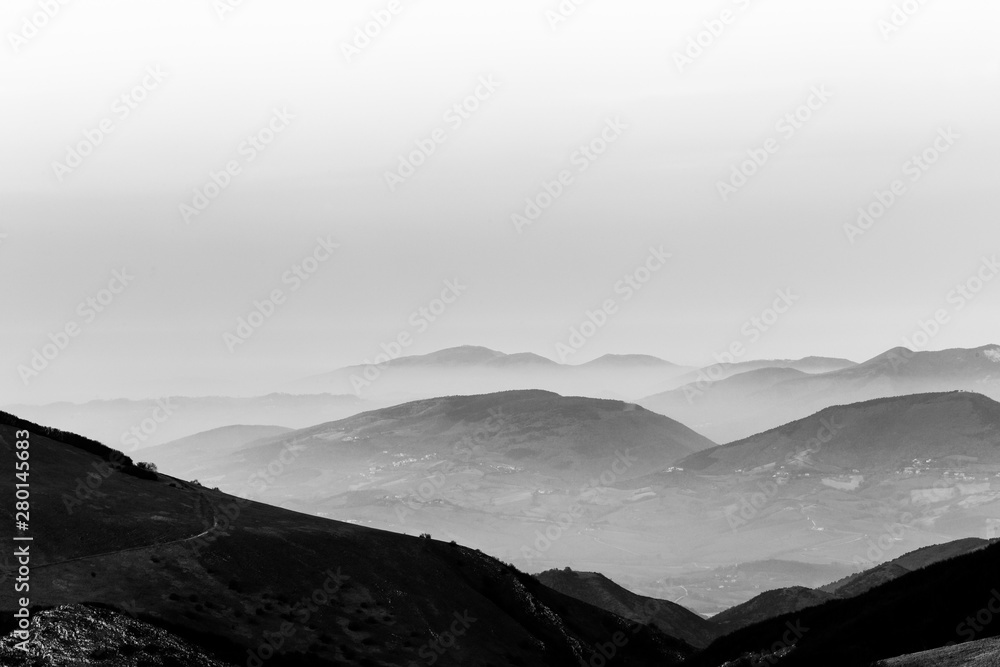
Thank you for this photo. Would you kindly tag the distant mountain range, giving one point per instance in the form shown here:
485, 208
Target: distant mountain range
727, 406
202, 577
881, 434
472, 370
132, 425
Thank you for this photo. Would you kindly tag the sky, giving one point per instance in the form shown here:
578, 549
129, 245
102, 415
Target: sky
360, 178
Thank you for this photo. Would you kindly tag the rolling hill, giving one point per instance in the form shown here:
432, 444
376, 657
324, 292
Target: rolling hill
598, 590
882, 434
132, 425
856, 584
767, 605
506, 436
184, 455
729, 408
247, 582
728, 411
981, 653
479, 370
920, 611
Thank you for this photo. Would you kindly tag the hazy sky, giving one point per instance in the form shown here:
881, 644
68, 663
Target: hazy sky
199, 80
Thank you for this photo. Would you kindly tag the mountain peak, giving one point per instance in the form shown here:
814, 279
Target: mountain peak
628, 360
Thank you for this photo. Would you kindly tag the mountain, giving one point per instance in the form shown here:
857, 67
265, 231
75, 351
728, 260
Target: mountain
182, 456
981, 653
472, 370
922, 610
134, 425
633, 360
102, 636
492, 471
728, 412
508, 435
729, 408
883, 434
807, 365
780, 601
468, 355
768, 605
598, 590
249, 583
856, 584
974, 368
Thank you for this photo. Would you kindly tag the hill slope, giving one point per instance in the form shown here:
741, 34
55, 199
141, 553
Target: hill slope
919, 611
856, 584
982, 653
135, 425
731, 412
236, 575
566, 439
769, 604
479, 370
880, 434
183, 456
598, 590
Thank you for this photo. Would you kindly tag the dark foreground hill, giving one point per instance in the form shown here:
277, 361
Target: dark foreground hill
912, 561
947, 602
780, 601
982, 653
769, 604
101, 637
598, 590
243, 581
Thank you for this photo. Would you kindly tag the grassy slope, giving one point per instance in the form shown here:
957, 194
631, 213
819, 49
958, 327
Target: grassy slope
601, 592
126, 546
